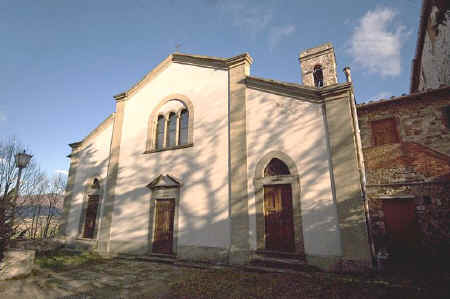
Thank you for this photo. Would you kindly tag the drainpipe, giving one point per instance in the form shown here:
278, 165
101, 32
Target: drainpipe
362, 171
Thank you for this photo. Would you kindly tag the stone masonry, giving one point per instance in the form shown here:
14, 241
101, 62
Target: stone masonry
412, 163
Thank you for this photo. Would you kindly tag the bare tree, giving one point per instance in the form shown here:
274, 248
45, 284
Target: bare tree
8, 178
54, 198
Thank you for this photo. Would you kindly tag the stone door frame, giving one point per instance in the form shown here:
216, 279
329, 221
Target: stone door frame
92, 189
292, 179
163, 187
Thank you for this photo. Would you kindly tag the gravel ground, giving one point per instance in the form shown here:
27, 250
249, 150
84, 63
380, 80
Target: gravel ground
124, 278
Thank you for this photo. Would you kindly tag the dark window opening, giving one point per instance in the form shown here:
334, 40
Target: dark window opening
172, 130
318, 76
184, 127
447, 116
426, 200
276, 167
160, 132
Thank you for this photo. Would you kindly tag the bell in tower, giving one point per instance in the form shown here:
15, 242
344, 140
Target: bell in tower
318, 66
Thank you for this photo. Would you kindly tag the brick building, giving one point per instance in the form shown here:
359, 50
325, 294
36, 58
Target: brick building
406, 147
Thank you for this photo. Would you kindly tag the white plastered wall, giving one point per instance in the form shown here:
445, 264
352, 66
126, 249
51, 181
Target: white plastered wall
202, 169
93, 163
296, 128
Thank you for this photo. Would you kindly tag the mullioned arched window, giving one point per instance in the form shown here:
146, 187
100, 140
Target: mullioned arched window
171, 125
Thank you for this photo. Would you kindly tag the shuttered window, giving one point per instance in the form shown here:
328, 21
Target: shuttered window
384, 131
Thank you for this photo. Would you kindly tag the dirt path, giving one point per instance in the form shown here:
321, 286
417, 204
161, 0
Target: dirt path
119, 278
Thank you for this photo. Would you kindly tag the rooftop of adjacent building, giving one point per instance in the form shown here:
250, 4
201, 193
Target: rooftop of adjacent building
439, 93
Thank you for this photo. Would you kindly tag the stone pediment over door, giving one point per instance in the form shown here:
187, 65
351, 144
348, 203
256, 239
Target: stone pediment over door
164, 181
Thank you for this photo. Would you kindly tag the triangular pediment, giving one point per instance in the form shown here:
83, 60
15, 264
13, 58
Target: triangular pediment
190, 59
165, 181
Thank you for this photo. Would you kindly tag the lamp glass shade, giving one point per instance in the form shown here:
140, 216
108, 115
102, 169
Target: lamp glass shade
22, 159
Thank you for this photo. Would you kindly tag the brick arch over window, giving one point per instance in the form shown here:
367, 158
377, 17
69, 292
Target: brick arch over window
292, 179
153, 119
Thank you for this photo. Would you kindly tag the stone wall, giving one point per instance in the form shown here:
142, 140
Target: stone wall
415, 167
420, 119
432, 212
435, 65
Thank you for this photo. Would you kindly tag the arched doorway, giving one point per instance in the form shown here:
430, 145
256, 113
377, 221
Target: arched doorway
277, 200
278, 216
91, 209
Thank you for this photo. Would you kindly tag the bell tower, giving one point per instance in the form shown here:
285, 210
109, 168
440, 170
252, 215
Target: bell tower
318, 66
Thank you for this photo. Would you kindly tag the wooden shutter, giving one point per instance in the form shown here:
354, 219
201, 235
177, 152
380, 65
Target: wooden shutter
384, 132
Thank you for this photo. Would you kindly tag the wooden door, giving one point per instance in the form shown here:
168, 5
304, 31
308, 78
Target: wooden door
163, 239
279, 225
91, 217
401, 228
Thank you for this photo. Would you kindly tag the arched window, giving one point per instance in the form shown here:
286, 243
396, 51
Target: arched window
160, 132
276, 167
171, 124
172, 130
318, 76
184, 127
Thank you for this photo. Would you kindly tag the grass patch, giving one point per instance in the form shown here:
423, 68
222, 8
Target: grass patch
63, 260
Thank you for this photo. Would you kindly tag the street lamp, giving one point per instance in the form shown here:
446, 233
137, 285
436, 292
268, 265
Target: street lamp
22, 160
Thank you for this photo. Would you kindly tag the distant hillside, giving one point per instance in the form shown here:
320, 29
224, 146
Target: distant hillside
30, 211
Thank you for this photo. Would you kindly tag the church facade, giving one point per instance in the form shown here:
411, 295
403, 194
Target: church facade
202, 161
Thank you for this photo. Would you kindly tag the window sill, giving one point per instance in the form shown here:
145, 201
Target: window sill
169, 148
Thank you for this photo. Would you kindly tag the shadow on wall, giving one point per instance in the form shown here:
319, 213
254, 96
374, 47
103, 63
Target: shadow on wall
200, 173
89, 167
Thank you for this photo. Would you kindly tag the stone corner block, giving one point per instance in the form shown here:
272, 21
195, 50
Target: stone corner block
16, 263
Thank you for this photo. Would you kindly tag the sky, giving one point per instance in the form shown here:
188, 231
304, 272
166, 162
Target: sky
62, 61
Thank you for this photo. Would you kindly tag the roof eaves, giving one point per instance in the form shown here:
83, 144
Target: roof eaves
294, 90
444, 90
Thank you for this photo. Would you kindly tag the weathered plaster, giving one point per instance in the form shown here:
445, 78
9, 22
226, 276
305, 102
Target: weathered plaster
90, 160
238, 205
297, 129
203, 218
352, 222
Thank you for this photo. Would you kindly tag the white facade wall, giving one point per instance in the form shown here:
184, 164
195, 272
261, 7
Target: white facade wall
93, 163
296, 128
203, 218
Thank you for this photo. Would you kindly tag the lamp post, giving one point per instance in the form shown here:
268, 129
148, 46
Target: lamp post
22, 160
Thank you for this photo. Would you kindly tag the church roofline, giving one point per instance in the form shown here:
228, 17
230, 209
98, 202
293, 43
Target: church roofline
190, 59
302, 92
294, 90
100, 128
